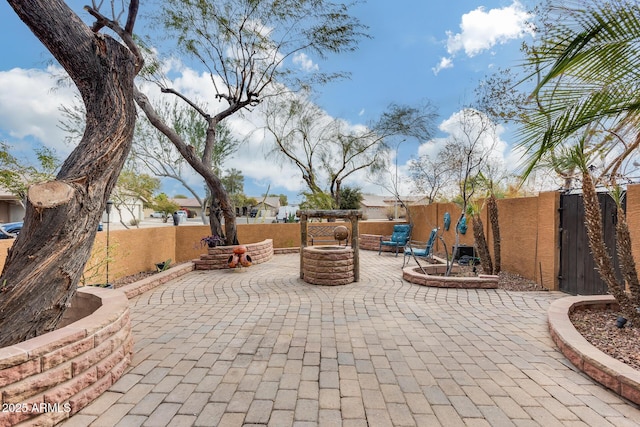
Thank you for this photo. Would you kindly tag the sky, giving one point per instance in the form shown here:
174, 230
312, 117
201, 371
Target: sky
436, 51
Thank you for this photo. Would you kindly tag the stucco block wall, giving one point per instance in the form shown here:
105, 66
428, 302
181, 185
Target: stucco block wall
188, 245
518, 219
134, 250
427, 217
5, 244
285, 235
548, 240
383, 228
633, 218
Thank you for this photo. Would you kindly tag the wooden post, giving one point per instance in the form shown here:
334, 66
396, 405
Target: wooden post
356, 248
351, 215
303, 239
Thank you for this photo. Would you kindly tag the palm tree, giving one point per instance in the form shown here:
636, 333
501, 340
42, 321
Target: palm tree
473, 210
588, 94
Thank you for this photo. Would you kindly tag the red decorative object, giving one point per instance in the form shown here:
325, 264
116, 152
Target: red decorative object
239, 257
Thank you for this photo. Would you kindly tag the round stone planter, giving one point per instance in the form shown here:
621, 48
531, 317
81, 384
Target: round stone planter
46, 379
328, 265
218, 258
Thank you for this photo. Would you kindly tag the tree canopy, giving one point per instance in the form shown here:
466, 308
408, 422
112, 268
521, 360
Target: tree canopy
328, 151
251, 50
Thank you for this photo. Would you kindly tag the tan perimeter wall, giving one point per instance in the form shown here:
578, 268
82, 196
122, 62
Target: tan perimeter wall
528, 233
135, 250
529, 229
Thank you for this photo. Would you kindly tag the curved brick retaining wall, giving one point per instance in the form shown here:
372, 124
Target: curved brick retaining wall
217, 258
415, 275
48, 378
371, 242
610, 372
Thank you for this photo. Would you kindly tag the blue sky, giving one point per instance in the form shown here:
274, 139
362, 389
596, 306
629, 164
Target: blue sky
435, 50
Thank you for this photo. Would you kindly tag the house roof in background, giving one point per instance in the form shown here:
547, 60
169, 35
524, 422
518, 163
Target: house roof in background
6, 195
372, 200
274, 202
187, 203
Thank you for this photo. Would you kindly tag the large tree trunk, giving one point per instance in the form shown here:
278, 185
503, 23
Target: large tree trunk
604, 263
481, 243
216, 212
625, 255
202, 167
46, 261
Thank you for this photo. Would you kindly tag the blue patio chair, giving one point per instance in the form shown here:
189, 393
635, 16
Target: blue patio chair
421, 249
399, 238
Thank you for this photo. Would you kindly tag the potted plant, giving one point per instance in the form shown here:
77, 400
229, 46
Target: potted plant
211, 241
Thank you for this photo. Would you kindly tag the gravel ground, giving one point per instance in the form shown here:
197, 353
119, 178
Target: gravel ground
514, 282
597, 326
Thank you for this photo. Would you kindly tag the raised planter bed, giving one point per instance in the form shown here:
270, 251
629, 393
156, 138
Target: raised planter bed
371, 242
434, 277
217, 258
48, 378
608, 371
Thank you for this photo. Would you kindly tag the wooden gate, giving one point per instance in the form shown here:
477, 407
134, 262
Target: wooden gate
578, 274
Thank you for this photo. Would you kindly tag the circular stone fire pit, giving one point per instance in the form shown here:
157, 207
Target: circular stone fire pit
328, 265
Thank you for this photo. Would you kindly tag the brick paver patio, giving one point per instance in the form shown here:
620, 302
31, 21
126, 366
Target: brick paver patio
261, 347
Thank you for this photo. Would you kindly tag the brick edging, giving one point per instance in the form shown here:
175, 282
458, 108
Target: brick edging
141, 286
411, 275
606, 370
282, 251
217, 258
371, 242
48, 378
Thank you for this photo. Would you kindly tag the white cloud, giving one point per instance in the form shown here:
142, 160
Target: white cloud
444, 63
459, 126
487, 142
305, 63
30, 107
481, 30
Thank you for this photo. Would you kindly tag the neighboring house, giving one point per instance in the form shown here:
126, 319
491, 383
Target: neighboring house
191, 205
374, 207
384, 207
125, 212
267, 206
11, 210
